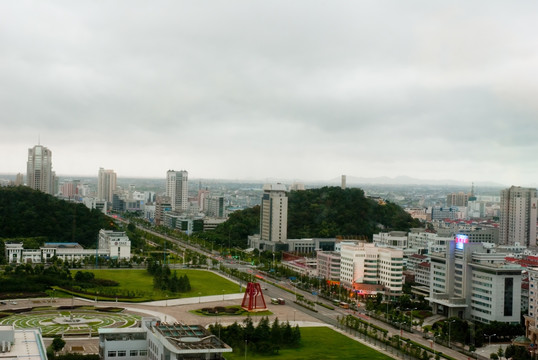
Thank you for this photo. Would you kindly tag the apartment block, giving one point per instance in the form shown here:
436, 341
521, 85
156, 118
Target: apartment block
329, 265
366, 263
518, 214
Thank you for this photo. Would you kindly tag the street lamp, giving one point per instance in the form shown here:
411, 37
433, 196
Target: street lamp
199, 297
222, 295
411, 313
449, 323
246, 346
489, 336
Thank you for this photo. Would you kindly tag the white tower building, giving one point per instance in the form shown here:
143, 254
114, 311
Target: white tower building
106, 185
274, 213
518, 216
177, 189
39, 175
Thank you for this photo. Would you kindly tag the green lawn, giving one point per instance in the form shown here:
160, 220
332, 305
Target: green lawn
202, 283
321, 343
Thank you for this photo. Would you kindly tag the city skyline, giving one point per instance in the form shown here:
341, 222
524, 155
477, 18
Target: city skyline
303, 91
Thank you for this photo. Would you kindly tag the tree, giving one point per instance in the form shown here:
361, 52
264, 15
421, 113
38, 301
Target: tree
57, 344
263, 330
500, 352
249, 329
276, 332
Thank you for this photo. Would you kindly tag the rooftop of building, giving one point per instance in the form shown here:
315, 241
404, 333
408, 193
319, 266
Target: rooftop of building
190, 337
63, 245
27, 344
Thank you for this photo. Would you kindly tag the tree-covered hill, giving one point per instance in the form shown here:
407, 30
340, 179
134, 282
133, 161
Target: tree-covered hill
27, 213
324, 212
332, 211
234, 231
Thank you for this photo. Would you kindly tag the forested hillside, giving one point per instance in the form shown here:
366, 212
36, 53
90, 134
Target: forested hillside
234, 231
27, 213
324, 212
331, 211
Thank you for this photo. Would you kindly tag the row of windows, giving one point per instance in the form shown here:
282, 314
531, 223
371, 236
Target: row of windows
482, 284
123, 353
477, 289
481, 303
482, 297
481, 310
482, 277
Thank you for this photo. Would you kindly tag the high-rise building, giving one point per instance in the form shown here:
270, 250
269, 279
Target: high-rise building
457, 199
163, 205
274, 213
177, 189
19, 180
39, 174
216, 207
106, 185
518, 215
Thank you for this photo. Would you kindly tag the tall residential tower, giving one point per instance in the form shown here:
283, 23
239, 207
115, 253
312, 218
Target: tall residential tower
39, 174
518, 216
274, 213
177, 189
106, 185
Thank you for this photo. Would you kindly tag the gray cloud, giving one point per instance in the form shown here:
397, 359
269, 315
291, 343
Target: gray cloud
302, 90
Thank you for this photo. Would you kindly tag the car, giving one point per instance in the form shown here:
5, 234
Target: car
13, 303
3, 303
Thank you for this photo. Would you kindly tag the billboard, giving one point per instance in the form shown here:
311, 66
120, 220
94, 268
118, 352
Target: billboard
461, 239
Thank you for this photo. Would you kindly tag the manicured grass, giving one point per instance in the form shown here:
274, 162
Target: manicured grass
320, 343
202, 283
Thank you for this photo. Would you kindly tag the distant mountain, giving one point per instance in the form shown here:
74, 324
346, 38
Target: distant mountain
406, 180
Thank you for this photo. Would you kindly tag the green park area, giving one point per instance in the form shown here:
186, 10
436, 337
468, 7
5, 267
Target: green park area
137, 285
320, 343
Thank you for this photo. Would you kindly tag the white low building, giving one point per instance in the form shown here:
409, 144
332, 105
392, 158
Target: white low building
112, 245
157, 340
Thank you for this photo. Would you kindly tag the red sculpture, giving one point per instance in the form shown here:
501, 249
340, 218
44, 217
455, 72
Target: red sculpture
253, 300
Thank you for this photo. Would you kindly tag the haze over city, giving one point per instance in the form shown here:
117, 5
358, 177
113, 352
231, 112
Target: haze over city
255, 90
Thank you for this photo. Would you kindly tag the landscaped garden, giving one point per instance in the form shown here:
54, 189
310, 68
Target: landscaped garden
83, 321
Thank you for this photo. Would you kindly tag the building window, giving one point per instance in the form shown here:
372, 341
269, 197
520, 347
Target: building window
122, 353
111, 354
508, 296
133, 353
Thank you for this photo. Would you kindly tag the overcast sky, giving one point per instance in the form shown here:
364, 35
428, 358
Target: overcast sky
304, 90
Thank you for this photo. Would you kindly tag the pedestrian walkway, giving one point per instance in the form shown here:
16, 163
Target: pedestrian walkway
195, 300
433, 319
